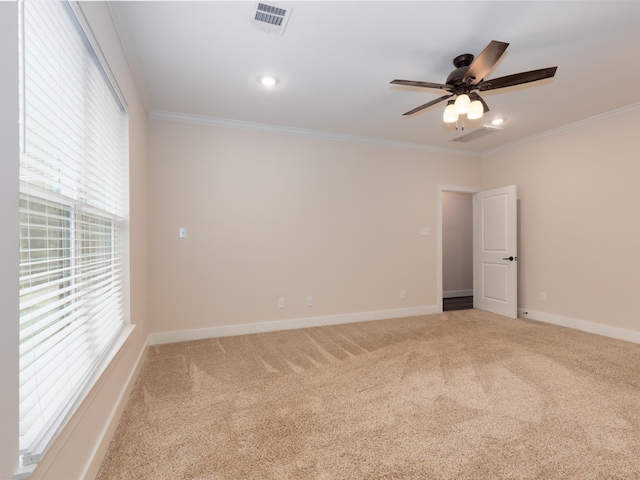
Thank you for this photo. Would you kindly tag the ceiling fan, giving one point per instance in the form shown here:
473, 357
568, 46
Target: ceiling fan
469, 77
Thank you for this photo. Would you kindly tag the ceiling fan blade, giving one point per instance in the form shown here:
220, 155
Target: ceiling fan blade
427, 105
517, 79
475, 96
484, 62
413, 83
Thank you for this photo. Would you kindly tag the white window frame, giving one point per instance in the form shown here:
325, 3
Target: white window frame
29, 463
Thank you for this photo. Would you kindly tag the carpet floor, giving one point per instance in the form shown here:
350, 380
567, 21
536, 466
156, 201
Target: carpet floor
458, 395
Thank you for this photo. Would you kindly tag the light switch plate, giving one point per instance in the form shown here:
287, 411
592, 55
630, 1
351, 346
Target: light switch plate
425, 231
183, 232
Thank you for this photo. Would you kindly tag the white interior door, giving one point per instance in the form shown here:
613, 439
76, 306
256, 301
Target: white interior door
495, 285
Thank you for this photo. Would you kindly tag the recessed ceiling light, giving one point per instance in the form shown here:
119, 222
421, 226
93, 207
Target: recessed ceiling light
268, 81
497, 121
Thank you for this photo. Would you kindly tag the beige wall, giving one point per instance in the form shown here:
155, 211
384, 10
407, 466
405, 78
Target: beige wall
274, 216
70, 457
457, 244
579, 220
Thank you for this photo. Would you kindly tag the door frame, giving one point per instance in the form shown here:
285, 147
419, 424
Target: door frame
441, 189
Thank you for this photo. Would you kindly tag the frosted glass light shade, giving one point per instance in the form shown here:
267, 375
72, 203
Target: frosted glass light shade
450, 115
462, 104
476, 110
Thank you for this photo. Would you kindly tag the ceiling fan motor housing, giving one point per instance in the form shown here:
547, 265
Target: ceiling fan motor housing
462, 63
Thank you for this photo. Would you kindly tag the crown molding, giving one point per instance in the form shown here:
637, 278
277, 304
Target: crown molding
596, 119
342, 137
303, 132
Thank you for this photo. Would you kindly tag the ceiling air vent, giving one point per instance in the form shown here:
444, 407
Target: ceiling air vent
270, 18
475, 134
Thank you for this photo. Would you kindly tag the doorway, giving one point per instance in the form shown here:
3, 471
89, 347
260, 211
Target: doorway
494, 238
454, 222
457, 251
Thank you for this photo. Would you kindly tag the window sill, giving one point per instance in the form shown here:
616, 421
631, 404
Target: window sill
79, 408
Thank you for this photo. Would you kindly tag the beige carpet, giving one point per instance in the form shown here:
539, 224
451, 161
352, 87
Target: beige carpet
460, 395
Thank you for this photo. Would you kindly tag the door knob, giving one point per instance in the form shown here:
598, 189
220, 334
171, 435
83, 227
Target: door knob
511, 259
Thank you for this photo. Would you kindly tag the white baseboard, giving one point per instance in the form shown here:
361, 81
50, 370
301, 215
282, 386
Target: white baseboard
261, 327
583, 325
457, 293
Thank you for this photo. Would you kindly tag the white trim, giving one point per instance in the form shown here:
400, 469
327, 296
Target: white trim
582, 325
603, 117
77, 10
304, 132
106, 435
271, 128
80, 407
290, 324
457, 293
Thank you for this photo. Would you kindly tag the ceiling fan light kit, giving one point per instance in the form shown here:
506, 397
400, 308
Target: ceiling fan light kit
476, 110
450, 115
468, 77
462, 104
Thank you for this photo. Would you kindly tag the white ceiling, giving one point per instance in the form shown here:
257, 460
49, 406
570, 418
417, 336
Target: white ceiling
336, 59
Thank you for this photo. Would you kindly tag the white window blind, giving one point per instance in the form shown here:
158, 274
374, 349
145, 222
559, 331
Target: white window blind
73, 208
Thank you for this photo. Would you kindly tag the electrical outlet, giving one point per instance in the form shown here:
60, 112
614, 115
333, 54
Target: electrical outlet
281, 303
309, 301
403, 294
543, 296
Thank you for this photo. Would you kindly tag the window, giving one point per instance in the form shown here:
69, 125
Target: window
73, 211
